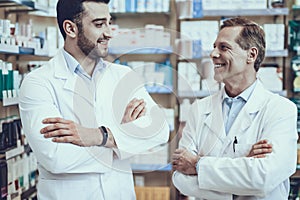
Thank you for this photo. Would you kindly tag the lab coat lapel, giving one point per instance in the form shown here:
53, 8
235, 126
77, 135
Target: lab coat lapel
254, 106
214, 119
73, 83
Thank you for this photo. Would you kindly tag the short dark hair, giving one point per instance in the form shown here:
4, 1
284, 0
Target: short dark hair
71, 10
251, 35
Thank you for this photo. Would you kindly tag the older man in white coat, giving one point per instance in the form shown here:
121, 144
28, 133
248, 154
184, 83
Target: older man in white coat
63, 103
224, 152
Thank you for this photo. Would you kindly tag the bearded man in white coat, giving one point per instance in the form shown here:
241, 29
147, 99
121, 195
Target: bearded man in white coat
240, 143
84, 117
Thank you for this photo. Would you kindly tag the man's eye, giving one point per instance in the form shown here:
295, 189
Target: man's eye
99, 25
223, 47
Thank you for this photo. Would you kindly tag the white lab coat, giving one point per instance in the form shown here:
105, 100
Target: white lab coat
223, 172
68, 171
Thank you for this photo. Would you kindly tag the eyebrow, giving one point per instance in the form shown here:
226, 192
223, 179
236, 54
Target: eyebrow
225, 43
101, 19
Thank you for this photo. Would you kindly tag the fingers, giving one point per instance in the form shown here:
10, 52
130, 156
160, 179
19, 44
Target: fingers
135, 109
53, 127
137, 112
53, 120
57, 133
263, 149
260, 149
58, 127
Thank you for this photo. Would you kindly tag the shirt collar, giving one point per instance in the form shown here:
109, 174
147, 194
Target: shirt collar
71, 61
75, 67
245, 95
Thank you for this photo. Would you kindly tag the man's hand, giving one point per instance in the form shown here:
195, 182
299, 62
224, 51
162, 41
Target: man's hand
185, 162
260, 149
135, 109
67, 131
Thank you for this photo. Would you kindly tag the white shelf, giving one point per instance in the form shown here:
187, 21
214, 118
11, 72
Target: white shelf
10, 49
141, 50
277, 53
195, 94
159, 90
151, 167
18, 50
202, 94
10, 101
14, 152
247, 12
22, 5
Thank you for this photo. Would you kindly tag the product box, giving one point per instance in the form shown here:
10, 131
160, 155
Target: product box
150, 193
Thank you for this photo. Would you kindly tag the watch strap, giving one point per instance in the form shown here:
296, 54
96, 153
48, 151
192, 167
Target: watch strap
104, 132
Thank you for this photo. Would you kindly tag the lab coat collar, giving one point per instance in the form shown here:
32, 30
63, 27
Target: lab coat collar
254, 106
214, 120
60, 65
72, 82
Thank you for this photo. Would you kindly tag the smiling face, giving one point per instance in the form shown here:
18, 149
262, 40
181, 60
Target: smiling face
94, 30
231, 64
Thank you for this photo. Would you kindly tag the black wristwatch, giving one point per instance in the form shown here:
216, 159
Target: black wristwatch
104, 134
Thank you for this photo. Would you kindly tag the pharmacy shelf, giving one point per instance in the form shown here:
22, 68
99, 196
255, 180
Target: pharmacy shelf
13, 152
140, 50
137, 14
296, 7
202, 94
195, 94
17, 50
242, 12
277, 53
247, 12
269, 54
10, 101
22, 5
34, 5
159, 90
151, 167
11, 3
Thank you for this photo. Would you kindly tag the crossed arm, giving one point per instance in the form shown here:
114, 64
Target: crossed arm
185, 161
67, 131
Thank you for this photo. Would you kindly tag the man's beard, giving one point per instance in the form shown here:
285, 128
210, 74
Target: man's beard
88, 47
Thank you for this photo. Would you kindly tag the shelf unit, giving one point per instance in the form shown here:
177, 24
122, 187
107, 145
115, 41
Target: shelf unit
12, 9
154, 174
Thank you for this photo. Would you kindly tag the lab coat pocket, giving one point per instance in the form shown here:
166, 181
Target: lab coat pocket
242, 150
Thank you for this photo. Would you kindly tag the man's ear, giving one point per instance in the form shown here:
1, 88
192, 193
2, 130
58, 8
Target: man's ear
252, 55
70, 28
